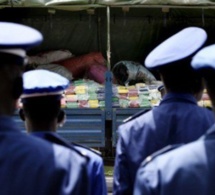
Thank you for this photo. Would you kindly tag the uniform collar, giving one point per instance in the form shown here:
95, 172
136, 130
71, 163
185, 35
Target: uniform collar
210, 132
42, 133
7, 124
178, 97
52, 137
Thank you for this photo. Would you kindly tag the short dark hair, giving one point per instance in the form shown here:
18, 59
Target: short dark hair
43, 108
10, 73
180, 77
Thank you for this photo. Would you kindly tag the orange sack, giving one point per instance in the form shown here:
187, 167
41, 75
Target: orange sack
80, 64
96, 73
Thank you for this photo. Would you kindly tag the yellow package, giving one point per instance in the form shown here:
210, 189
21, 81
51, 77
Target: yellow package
80, 91
123, 91
70, 96
207, 103
133, 98
93, 105
80, 87
93, 101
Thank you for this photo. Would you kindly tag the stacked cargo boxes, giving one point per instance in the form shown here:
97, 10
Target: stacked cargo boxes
90, 94
85, 94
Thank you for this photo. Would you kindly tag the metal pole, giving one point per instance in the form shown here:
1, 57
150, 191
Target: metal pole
108, 74
108, 38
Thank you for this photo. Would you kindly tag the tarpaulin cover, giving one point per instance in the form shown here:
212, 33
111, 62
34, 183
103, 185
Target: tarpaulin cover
47, 2
107, 2
157, 2
3, 1
133, 33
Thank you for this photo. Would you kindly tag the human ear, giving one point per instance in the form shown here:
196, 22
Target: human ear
21, 114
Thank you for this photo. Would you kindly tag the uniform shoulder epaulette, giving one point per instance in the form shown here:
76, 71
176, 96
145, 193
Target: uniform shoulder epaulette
136, 115
58, 140
159, 152
90, 149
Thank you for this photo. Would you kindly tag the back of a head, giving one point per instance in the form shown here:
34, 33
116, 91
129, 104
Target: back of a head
204, 63
43, 109
172, 59
10, 84
42, 94
15, 39
180, 77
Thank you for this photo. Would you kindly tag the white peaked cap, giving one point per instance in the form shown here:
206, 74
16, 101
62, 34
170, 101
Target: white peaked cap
179, 46
16, 38
43, 83
14, 35
204, 58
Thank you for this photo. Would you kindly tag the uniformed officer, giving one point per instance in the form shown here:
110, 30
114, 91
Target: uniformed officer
28, 165
173, 120
189, 169
42, 114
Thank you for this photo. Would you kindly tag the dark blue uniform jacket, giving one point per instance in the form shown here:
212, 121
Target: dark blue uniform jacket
186, 170
178, 119
31, 166
95, 165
